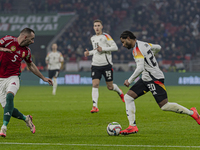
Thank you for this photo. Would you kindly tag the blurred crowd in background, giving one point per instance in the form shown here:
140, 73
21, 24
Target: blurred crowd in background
174, 24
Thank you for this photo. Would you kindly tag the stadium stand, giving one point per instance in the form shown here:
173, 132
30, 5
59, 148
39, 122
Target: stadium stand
174, 24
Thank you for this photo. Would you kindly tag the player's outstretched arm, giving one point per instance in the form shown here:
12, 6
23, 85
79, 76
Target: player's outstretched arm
32, 67
139, 69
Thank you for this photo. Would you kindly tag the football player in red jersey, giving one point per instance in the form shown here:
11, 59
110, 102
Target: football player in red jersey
12, 51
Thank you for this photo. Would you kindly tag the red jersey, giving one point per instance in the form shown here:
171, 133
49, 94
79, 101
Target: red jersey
10, 63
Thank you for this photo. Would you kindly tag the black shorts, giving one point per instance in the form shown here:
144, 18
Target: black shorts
53, 73
157, 89
106, 71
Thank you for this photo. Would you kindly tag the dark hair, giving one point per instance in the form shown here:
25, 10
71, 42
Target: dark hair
126, 34
27, 30
97, 20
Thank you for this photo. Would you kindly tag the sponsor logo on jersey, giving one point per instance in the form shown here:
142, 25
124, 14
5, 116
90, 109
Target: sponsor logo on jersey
18, 52
23, 54
154, 93
13, 48
14, 83
1, 41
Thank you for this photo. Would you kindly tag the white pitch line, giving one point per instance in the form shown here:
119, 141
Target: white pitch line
99, 145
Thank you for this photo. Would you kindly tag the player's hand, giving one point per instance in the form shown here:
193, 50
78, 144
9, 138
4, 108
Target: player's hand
5, 50
86, 53
99, 49
126, 83
48, 80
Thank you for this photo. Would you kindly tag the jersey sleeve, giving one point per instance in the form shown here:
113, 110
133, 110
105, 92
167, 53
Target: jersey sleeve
2, 42
5, 40
139, 59
91, 52
47, 57
28, 58
111, 43
155, 48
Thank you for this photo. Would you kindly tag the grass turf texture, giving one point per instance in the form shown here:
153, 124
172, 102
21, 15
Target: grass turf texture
64, 121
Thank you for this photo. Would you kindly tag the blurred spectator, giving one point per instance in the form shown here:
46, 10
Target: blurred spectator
7, 6
174, 24
40, 67
172, 67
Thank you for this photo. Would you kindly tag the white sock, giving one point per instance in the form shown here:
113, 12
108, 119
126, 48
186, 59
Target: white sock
130, 109
117, 89
176, 108
54, 85
95, 96
4, 127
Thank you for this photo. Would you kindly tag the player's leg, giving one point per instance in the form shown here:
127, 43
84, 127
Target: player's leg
115, 88
95, 95
3, 94
137, 90
96, 77
54, 85
56, 73
51, 74
11, 86
108, 75
159, 92
8, 110
174, 107
28, 119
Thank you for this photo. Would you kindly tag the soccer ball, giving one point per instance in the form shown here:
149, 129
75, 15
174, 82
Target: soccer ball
113, 128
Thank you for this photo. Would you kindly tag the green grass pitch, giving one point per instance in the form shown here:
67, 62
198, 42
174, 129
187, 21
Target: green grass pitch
64, 121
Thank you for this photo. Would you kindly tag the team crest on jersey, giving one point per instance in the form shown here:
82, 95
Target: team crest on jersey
1, 41
23, 54
13, 48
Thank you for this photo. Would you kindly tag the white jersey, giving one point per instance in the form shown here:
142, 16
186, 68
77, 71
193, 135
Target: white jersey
106, 42
146, 63
54, 59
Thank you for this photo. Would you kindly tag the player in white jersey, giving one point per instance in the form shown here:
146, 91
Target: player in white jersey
103, 45
152, 80
54, 60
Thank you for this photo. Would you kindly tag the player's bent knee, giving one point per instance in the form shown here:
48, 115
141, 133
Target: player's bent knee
168, 106
110, 87
95, 85
128, 98
165, 107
